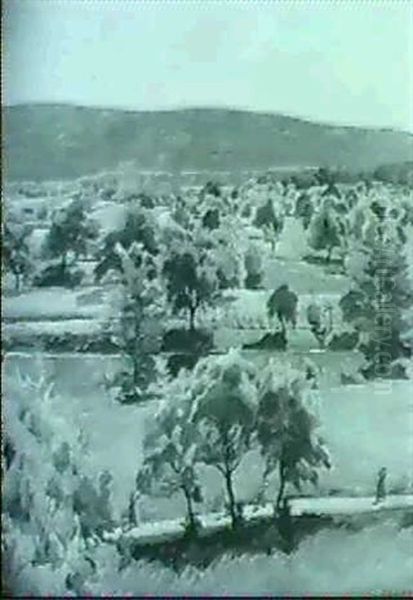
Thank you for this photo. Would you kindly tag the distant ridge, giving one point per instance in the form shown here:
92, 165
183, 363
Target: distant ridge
58, 141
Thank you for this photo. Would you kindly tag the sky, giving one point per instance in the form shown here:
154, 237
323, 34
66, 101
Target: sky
342, 61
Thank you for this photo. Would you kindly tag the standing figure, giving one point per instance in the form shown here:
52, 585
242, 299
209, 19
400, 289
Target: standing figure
381, 485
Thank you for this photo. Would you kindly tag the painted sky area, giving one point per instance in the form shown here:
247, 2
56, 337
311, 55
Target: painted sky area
343, 61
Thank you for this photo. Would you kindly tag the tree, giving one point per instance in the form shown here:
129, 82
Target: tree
224, 409
286, 428
319, 318
212, 188
283, 303
379, 296
324, 232
139, 321
171, 449
138, 227
254, 267
211, 220
191, 282
304, 209
45, 528
70, 232
16, 252
328, 178
272, 224
228, 252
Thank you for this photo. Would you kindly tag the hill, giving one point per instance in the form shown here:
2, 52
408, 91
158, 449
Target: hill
62, 141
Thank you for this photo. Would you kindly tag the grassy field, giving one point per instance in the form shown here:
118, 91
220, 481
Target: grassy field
364, 428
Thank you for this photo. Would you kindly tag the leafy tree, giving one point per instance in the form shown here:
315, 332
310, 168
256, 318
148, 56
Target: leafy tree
171, 450
379, 296
191, 282
211, 220
16, 251
324, 232
319, 319
254, 267
228, 252
138, 227
230, 270
45, 528
328, 178
224, 408
139, 326
283, 304
271, 223
304, 209
286, 428
212, 188
70, 232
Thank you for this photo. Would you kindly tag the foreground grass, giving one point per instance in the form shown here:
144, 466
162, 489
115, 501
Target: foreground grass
376, 561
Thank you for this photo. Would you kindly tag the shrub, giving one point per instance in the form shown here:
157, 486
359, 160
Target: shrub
56, 275
187, 341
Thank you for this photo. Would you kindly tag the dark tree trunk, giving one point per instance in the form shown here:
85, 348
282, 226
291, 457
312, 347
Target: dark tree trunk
286, 528
280, 495
189, 508
17, 282
231, 498
63, 263
283, 327
192, 310
328, 255
135, 369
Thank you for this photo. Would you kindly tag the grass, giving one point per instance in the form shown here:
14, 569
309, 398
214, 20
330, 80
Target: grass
51, 303
364, 430
374, 561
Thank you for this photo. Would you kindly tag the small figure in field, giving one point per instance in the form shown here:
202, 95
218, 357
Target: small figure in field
381, 485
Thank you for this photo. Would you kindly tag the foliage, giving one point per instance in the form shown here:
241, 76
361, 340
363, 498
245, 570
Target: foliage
319, 318
191, 282
139, 318
193, 341
304, 209
286, 427
254, 267
283, 303
70, 232
16, 251
266, 218
224, 406
211, 219
379, 295
324, 232
212, 188
171, 450
58, 275
138, 228
46, 529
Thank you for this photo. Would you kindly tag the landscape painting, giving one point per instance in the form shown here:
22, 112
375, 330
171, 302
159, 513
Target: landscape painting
207, 298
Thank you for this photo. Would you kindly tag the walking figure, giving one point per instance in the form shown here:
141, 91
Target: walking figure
381, 485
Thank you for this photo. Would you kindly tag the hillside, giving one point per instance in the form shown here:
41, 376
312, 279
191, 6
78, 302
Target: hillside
61, 141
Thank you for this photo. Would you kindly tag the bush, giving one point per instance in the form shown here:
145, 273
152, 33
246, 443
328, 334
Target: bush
347, 340
176, 362
187, 341
270, 341
253, 281
58, 276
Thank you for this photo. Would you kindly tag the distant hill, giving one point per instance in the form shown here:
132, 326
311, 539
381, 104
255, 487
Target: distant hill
61, 141
401, 173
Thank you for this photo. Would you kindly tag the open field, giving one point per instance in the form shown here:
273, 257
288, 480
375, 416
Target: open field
364, 427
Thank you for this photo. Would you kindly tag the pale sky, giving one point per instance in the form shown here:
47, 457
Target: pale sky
342, 61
